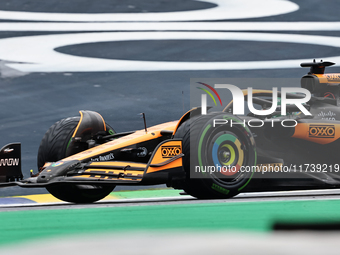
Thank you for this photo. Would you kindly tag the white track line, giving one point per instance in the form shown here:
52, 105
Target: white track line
37, 54
170, 26
225, 9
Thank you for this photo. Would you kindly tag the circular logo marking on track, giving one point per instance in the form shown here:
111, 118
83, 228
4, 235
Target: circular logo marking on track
225, 10
37, 54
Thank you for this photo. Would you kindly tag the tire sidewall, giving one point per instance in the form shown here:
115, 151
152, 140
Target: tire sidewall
202, 153
53, 148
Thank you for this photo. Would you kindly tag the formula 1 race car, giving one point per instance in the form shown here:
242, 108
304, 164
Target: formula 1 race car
82, 159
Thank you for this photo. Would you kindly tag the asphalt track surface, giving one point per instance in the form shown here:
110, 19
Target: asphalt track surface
283, 196
37, 91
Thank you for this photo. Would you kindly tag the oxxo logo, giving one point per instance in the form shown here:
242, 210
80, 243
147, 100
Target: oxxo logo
170, 151
238, 100
322, 131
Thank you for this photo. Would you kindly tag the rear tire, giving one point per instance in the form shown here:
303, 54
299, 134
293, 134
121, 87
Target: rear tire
223, 146
53, 148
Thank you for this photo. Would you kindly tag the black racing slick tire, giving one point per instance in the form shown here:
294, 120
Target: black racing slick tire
57, 138
80, 194
216, 156
53, 147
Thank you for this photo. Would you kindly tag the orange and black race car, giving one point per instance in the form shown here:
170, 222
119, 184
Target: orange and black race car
82, 159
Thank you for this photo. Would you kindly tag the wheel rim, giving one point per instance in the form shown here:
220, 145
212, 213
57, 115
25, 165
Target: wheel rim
226, 154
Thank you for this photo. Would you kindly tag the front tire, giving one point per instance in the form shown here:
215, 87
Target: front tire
82, 194
53, 148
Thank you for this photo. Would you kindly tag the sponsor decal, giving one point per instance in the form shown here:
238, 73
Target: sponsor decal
143, 152
57, 163
9, 162
327, 115
219, 189
322, 131
107, 157
170, 151
333, 77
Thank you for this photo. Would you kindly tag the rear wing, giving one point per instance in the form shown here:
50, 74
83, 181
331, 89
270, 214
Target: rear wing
10, 163
319, 83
